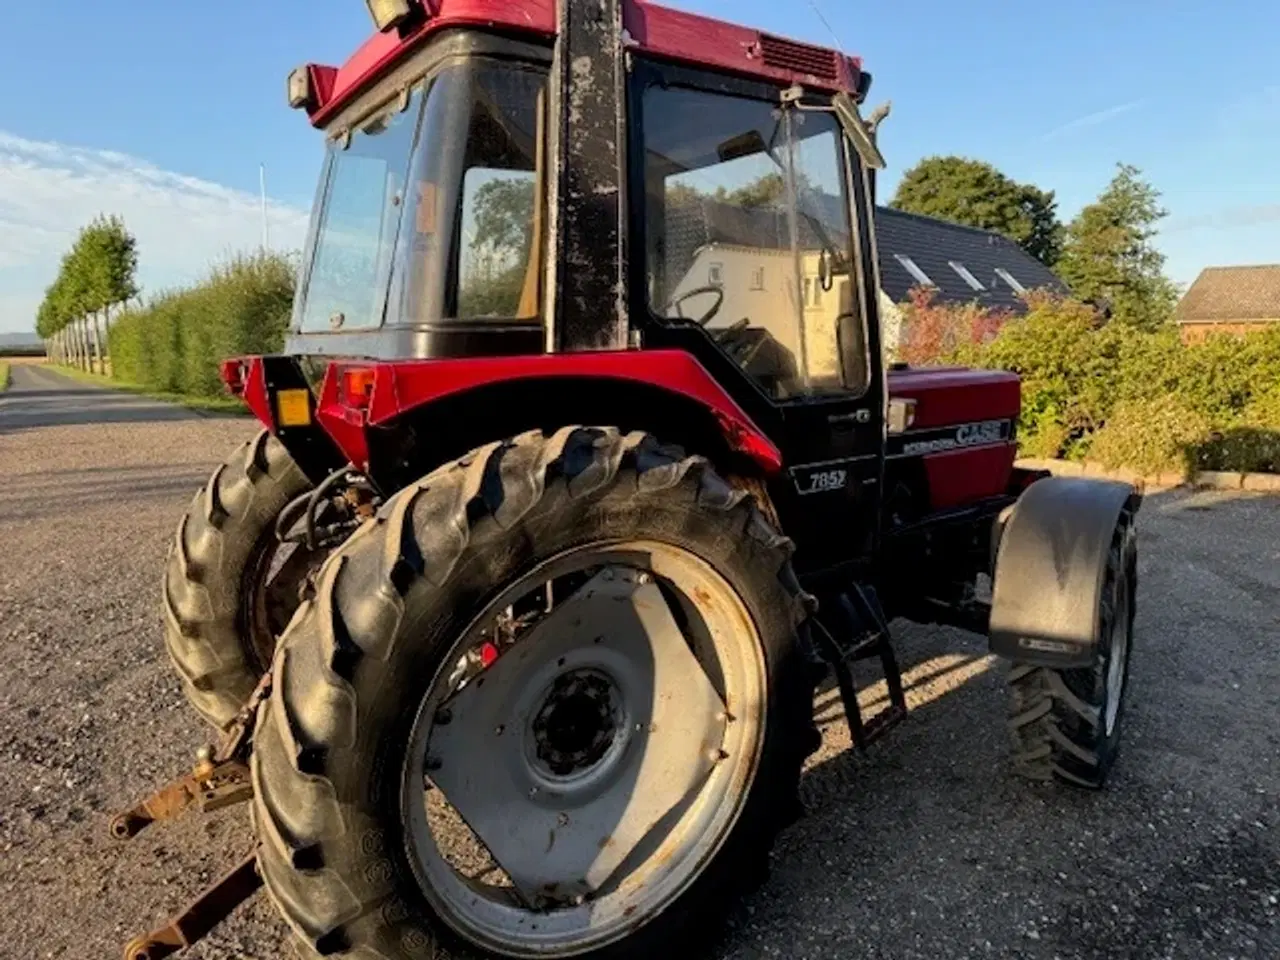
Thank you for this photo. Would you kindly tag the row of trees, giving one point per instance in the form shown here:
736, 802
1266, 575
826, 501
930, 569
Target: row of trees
1106, 255
97, 277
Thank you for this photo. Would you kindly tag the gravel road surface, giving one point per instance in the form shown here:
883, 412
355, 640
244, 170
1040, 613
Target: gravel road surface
923, 848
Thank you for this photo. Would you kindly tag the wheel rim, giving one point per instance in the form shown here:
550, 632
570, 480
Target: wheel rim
1118, 654
599, 763
273, 577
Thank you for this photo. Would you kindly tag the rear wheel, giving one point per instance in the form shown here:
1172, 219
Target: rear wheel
230, 587
1066, 723
551, 703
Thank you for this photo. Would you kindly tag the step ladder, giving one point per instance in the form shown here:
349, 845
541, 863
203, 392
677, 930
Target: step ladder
854, 628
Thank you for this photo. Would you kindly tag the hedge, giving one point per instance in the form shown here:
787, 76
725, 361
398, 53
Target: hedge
176, 343
1121, 396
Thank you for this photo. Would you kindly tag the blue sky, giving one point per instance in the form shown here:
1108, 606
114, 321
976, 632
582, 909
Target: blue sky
162, 112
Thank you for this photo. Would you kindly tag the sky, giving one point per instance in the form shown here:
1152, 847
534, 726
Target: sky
163, 112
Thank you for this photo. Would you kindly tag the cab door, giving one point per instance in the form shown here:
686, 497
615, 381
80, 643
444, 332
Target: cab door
759, 258
833, 437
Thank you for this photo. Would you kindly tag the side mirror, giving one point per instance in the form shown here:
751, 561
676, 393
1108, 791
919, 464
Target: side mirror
860, 134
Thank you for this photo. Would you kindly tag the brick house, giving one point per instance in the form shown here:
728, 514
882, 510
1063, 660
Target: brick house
1232, 300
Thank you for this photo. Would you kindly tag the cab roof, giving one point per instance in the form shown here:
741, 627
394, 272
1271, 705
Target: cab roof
687, 38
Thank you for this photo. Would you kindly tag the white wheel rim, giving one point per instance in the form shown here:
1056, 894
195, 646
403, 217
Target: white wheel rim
631, 815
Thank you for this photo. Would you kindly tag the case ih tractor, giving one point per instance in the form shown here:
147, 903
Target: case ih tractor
581, 470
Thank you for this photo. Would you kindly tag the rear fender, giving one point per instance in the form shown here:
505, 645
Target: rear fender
1049, 570
263, 383
409, 416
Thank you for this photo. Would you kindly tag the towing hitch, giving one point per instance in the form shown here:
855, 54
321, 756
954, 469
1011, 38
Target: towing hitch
219, 779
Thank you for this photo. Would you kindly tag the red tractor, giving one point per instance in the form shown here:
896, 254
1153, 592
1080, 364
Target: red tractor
581, 470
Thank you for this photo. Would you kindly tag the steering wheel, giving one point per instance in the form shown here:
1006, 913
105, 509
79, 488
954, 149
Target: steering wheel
676, 304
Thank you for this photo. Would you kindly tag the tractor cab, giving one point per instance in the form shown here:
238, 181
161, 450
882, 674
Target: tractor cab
727, 200
511, 181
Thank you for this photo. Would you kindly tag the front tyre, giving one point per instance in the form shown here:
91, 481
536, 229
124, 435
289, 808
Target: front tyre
1066, 723
603, 778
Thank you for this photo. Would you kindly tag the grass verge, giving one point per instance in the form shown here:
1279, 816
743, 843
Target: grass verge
4, 376
219, 405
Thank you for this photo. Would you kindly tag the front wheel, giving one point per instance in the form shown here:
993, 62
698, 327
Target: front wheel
551, 703
1066, 723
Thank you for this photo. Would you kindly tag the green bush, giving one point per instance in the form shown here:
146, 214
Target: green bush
177, 343
1151, 436
1087, 385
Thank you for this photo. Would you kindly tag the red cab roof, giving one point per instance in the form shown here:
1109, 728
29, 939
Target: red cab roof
657, 30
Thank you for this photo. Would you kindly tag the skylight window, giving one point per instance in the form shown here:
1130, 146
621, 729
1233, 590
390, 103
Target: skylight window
1008, 278
965, 275
917, 274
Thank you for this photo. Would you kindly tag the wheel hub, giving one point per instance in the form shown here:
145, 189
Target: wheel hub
577, 723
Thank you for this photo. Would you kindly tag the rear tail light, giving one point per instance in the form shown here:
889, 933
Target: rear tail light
233, 373
357, 387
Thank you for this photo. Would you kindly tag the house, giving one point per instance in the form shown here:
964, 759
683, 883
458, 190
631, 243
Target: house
745, 254
1230, 300
961, 264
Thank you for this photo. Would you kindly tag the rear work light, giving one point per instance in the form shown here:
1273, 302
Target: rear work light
301, 91
389, 14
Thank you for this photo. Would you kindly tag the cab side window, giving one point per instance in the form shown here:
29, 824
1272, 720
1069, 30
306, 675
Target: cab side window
749, 232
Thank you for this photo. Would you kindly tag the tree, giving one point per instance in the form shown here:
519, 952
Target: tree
1109, 256
976, 194
97, 273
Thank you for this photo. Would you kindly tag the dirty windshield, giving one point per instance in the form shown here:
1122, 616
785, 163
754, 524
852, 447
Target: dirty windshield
356, 232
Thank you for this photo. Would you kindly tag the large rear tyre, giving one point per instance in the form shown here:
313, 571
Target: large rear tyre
228, 590
1066, 723
604, 779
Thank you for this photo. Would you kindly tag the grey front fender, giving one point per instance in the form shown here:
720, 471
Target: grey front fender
1050, 566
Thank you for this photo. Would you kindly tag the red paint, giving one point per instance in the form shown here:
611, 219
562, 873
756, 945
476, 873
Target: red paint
231, 372
694, 39
959, 477
406, 385
256, 396
344, 423
670, 34
947, 395
323, 80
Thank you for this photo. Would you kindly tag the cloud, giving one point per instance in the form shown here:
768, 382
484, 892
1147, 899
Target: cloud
1093, 119
48, 191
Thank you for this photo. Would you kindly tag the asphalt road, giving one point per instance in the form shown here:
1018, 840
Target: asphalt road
924, 848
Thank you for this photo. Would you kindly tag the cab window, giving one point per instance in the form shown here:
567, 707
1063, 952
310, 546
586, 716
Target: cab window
749, 233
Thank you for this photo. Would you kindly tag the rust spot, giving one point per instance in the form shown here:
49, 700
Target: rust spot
606, 842
629, 911
701, 595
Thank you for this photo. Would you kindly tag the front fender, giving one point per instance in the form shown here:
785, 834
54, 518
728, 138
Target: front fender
1049, 571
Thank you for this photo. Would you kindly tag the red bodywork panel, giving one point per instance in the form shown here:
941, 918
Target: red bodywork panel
955, 396
685, 37
401, 386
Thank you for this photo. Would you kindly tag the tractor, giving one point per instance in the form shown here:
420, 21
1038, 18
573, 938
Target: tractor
580, 471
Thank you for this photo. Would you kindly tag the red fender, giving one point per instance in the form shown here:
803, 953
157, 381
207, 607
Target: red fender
357, 396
